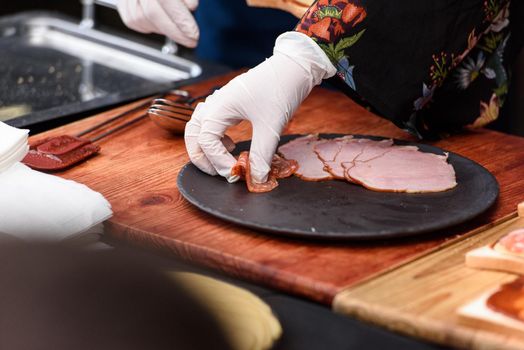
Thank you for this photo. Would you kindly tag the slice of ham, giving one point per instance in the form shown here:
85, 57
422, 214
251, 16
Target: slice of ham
403, 169
349, 150
280, 168
302, 150
328, 150
378, 165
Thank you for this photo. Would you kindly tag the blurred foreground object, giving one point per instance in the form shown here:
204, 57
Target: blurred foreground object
58, 297
246, 319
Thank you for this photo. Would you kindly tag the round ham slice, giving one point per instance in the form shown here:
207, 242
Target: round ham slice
402, 169
301, 149
328, 150
350, 150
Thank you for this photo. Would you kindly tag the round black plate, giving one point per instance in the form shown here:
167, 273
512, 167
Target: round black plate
340, 210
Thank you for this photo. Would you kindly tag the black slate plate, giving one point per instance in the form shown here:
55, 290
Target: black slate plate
339, 210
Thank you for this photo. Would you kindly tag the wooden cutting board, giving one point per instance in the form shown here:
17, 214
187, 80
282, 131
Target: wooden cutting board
422, 298
137, 170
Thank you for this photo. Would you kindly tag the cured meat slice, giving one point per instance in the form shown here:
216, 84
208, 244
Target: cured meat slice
372, 150
403, 169
509, 299
357, 148
280, 168
512, 243
310, 167
327, 151
43, 161
60, 145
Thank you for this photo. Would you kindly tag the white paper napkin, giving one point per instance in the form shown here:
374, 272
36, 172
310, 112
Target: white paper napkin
34, 205
13, 145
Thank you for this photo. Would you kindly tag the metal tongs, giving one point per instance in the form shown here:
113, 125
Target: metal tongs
61, 152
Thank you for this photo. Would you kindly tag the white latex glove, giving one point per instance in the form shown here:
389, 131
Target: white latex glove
171, 18
267, 95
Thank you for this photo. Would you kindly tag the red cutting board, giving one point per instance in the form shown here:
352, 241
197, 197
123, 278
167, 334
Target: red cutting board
137, 170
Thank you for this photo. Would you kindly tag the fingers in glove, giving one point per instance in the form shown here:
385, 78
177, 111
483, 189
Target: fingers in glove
210, 141
133, 15
263, 146
191, 4
167, 24
187, 32
191, 134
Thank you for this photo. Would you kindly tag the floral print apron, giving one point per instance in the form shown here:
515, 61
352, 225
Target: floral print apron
431, 67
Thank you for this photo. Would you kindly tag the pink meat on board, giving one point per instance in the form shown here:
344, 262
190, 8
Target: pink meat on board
403, 169
310, 167
349, 150
370, 150
327, 151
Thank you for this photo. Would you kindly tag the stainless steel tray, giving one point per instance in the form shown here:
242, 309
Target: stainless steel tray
50, 67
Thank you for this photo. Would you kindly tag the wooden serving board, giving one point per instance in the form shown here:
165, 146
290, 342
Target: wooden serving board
137, 170
423, 298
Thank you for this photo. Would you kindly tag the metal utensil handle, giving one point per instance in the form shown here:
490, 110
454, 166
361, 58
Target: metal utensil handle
116, 117
88, 11
118, 128
88, 21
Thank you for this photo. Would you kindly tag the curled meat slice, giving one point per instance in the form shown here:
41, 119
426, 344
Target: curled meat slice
403, 169
302, 151
280, 168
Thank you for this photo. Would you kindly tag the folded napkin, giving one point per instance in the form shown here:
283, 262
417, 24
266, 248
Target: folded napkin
34, 205
13, 145
247, 321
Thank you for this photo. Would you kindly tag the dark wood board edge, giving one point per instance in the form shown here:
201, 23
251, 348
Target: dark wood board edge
323, 293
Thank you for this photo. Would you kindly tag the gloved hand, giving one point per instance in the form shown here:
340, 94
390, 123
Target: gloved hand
171, 18
267, 96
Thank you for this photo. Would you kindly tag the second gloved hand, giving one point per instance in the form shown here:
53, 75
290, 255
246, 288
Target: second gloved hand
171, 18
267, 96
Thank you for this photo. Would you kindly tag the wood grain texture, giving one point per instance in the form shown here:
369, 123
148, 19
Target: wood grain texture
137, 168
422, 298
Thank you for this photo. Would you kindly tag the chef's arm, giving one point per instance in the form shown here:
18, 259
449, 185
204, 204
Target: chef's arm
430, 67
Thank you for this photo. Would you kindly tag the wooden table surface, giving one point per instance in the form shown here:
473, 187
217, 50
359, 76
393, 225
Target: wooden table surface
137, 169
